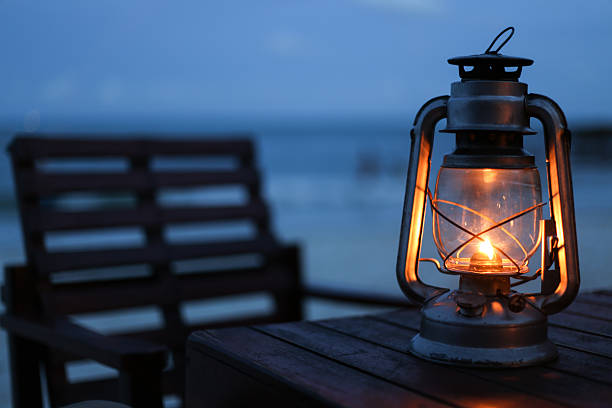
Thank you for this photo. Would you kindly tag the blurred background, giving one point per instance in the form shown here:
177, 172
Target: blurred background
329, 90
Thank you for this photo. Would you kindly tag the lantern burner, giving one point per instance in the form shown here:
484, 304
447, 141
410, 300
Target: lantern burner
491, 65
486, 259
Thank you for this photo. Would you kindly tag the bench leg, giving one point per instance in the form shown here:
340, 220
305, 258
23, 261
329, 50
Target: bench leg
141, 389
25, 373
290, 302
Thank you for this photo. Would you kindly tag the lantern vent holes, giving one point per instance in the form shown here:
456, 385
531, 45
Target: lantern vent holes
491, 65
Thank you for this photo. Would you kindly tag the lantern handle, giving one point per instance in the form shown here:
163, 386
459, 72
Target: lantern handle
561, 199
415, 200
511, 29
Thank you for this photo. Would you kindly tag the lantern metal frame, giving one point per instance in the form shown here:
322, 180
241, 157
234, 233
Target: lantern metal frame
484, 322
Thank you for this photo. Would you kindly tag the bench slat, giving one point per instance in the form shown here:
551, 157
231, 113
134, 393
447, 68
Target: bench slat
37, 183
98, 296
83, 145
66, 336
154, 254
146, 216
176, 341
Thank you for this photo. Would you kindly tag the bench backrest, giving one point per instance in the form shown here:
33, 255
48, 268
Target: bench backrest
118, 223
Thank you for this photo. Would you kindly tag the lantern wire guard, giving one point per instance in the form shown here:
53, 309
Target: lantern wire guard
444, 269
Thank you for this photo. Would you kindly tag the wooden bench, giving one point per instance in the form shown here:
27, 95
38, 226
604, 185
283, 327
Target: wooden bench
67, 187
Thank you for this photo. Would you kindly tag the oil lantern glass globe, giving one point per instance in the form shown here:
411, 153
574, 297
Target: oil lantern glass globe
477, 199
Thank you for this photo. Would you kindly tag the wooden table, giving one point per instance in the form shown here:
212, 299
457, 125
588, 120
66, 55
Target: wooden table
363, 361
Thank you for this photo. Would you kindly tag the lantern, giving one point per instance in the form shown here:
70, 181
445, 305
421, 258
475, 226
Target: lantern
488, 219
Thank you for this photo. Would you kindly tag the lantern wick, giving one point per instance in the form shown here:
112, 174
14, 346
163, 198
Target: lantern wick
487, 248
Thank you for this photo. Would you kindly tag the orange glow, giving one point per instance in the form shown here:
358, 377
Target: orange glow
497, 308
487, 249
488, 175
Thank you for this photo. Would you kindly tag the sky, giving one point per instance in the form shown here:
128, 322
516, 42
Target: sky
85, 58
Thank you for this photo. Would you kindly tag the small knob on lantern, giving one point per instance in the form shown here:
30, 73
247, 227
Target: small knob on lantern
471, 304
517, 303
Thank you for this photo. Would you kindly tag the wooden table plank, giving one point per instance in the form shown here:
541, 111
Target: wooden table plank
266, 358
594, 298
577, 340
544, 381
583, 365
576, 362
586, 324
598, 311
400, 368
364, 361
593, 344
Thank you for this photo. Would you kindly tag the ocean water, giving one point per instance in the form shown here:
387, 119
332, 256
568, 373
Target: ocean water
336, 189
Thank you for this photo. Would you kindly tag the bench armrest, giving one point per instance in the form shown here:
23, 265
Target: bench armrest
124, 354
354, 296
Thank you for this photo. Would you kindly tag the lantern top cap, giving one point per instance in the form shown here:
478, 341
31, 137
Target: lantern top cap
491, 65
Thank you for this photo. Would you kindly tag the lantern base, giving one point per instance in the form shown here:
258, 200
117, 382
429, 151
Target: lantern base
497, 337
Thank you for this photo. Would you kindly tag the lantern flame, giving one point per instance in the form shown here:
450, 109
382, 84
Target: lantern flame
487, 249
